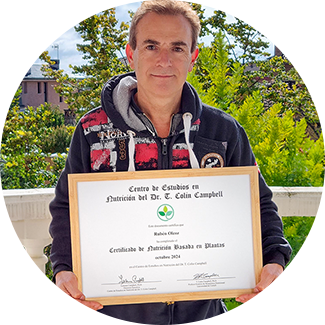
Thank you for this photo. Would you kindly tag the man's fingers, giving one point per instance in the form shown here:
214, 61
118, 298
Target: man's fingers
263, 284
73, 291
269, 273
80, 297
91, 304
68, 282
244, 298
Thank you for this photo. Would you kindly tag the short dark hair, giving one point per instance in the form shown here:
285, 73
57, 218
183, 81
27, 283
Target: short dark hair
166, 7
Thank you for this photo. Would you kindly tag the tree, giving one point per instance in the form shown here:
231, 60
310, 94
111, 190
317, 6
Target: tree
275, 78
25, 163
285, 154
103, 43
262, 100
279, 82
216, 80
245, 43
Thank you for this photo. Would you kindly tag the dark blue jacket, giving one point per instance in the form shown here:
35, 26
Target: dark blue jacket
100, 144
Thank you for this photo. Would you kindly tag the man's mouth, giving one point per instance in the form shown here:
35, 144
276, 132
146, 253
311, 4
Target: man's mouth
162, 76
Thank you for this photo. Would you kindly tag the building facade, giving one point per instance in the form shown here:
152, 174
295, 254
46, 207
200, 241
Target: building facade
37, 89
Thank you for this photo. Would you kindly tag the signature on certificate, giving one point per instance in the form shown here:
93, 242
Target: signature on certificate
199, 276
133, 279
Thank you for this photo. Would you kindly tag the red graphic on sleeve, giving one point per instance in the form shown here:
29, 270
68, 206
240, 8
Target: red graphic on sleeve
97, 117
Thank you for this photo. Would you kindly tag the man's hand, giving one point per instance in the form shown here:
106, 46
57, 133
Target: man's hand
67, 282
269, 273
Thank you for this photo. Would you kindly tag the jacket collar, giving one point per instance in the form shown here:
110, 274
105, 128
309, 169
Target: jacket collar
116, 98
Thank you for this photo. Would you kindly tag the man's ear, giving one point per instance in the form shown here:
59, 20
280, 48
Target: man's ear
194, 55
129, 55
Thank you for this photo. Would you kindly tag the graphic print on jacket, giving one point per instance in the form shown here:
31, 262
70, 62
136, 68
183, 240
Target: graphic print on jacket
109, 147
181, 157
102, 138
146, 154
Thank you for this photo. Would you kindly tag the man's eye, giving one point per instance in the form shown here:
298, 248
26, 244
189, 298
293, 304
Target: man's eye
178, 49
151, 47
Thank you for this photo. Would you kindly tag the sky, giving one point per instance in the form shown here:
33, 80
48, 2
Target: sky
66, 43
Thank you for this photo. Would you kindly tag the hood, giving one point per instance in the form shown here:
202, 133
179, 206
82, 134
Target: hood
116, 97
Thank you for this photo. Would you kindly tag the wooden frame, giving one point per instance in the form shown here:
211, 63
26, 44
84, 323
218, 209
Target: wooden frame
83, 187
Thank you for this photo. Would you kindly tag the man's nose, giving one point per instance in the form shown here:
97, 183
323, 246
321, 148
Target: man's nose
164, 58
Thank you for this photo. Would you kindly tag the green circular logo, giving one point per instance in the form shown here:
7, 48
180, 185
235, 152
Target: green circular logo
165, 212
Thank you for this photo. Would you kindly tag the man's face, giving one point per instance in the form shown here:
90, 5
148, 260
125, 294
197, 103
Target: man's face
162, 57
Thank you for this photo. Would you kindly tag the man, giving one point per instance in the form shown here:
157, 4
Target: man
153, 119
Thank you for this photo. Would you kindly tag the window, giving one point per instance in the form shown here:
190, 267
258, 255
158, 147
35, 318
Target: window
45, 92
39, 87
25, 87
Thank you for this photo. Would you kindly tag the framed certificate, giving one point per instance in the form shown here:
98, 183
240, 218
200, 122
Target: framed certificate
172, 235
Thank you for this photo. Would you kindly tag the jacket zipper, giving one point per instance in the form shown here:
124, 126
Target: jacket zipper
164, 147
164, 152
164, 141
150, 127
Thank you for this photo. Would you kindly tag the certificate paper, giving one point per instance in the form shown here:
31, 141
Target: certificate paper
156, 236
